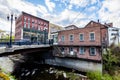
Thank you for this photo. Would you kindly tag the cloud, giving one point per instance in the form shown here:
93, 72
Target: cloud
50, 5
94, 1
66, 17
79, 3
110, 12
106, 11
16, 7
91, 9
70, 6
42, 9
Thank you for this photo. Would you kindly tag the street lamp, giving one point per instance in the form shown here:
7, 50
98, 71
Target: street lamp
11, 18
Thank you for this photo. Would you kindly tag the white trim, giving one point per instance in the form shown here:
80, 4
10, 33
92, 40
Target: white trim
79, 36
62, 38
69, 37
80, 50
21, 33
90, 36
90, 51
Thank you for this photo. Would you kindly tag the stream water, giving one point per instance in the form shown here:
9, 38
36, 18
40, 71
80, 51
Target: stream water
33, 71
29, 69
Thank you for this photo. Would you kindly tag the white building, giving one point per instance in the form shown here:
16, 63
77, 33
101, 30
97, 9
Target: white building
113, 35
53, 32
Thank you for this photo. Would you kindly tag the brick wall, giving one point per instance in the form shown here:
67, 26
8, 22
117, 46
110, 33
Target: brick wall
98, 29
76, 32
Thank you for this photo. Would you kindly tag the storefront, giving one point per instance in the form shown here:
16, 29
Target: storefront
35, 35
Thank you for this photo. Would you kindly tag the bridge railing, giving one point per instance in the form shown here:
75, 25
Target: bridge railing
19, 42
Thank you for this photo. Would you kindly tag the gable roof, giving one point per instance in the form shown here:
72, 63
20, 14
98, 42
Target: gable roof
95, 24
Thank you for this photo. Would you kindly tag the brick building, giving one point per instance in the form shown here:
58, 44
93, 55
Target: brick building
31, 27
84, 43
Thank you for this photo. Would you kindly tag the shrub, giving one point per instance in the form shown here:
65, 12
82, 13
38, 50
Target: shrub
94, 75
107, 77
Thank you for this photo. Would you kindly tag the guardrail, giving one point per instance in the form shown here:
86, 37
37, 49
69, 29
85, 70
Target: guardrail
6, 43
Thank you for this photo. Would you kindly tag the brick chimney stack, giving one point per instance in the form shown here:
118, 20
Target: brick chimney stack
109, 24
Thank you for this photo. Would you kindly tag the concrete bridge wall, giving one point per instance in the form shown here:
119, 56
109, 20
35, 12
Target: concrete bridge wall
45, 54
79, 65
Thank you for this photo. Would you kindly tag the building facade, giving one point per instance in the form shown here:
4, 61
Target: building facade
54, 32
113, 35
84, 43
31, 27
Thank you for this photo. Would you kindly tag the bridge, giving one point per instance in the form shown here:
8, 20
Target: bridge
45, 54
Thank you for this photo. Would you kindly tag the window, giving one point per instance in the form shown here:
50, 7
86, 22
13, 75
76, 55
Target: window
81, 50
92, 36
33, 21
70, 49
62, 38
62, 49
92, 51
71, 37
32, 25
81, 37
28, 23
38, 27
24, 25
24, 22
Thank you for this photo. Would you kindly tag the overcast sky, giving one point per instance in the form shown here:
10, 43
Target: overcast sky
63, 12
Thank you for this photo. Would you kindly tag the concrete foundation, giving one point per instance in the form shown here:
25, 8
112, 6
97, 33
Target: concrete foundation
80, 65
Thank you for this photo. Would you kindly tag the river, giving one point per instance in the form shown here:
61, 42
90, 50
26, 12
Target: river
29, 69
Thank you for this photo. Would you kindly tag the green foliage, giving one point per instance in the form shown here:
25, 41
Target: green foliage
106, 77
8, 74
94, 75
111, 61
6, 39
108, 60
73, 76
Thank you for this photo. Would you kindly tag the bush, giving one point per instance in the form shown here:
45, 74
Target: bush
94, 75
107, 77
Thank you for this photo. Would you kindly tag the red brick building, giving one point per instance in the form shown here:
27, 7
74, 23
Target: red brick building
31, 27
85, 43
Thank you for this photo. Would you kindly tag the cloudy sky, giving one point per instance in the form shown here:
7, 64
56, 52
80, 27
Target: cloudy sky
63, 12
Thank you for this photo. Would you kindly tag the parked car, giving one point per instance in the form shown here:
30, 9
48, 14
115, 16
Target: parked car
23, 42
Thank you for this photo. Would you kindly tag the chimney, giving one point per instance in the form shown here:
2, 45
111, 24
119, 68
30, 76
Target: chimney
98, 20
109, 24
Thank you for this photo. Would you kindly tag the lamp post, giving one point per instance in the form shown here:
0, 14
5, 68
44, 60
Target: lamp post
11, 18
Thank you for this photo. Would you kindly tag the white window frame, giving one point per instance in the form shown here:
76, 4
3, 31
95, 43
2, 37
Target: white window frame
91, 51
62, 38
70, 37
71, 51
25, 22
81, 51
28, 22
80, 37
90, 36
63, 50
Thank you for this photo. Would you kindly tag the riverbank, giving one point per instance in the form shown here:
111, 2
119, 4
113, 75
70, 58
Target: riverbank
33, 71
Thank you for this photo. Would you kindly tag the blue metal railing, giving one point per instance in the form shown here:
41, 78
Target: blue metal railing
19, 42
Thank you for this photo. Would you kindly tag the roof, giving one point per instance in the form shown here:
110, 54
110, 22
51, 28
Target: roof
71, 26
34, 16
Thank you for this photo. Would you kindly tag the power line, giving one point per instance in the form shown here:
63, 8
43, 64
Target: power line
77, 15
